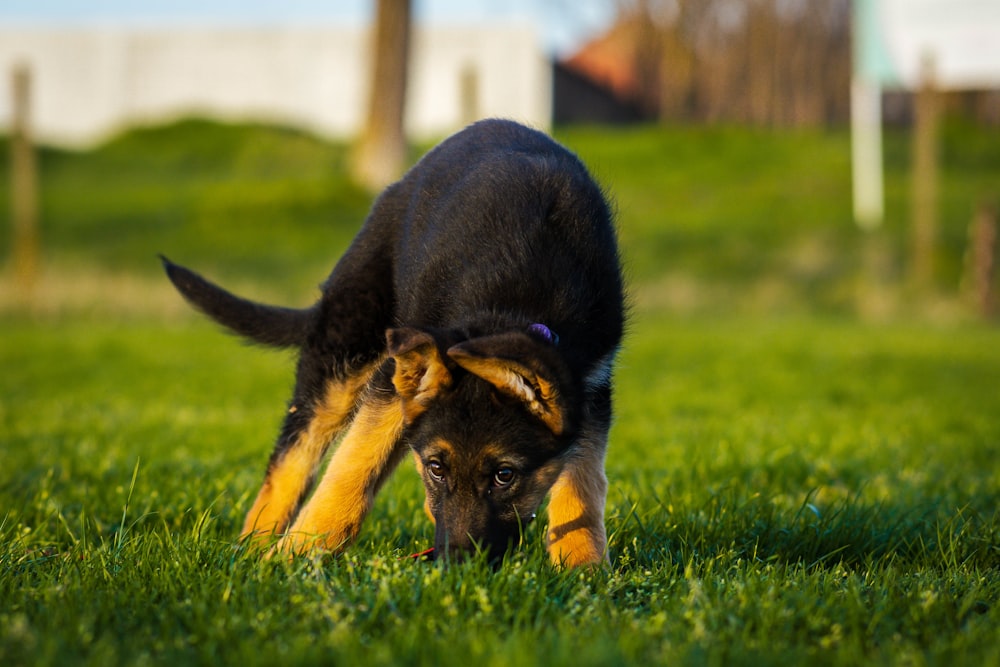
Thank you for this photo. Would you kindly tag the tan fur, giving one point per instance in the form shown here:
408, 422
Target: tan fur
369, 452
371, 449
549, 410
284, 485
538, 394
419, 376
289, 478
576, 534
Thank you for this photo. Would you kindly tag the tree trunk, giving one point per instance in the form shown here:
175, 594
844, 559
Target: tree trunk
380, 155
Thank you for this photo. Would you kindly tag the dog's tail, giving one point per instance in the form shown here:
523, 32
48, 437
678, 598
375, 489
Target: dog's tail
268, 325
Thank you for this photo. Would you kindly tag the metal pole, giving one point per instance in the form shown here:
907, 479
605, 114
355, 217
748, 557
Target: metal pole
866, 152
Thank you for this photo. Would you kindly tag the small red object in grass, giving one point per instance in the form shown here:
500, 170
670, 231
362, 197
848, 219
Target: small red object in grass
423, 554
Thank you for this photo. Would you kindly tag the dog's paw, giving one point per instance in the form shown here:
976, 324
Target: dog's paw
578, 548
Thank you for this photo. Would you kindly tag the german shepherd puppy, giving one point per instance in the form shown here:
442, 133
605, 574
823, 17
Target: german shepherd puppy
474, 320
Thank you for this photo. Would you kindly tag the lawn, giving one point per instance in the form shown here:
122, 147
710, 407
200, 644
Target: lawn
789, 483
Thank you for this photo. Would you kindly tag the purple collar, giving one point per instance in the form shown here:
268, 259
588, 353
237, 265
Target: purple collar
544, 333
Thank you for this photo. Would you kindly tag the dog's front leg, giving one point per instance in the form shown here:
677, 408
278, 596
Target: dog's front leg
309, 430
366, 457
576, 534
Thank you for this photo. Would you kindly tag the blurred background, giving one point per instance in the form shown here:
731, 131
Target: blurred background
765, 156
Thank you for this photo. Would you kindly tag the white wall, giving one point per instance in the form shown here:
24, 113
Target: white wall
89, 82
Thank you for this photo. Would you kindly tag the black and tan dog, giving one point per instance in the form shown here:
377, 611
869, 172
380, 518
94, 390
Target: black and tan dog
474, 320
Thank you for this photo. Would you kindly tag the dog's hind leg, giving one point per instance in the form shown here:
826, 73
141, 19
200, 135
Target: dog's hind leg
367, 455
340, 352
310, 427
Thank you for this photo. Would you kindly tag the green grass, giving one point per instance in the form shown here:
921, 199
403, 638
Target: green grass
236, 200
789, 484
781, 491
731, 206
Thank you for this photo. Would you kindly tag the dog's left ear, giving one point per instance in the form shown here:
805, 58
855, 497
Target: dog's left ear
420, 369
515, 364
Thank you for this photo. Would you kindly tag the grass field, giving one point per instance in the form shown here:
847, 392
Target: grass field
789, 483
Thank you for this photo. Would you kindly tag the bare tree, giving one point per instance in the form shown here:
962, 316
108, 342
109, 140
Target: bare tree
764, 62
380, 154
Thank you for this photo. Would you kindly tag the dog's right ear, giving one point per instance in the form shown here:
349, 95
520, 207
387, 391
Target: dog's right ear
420, 369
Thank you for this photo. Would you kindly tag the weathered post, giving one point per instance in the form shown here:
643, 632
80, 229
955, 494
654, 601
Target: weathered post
925, 176
24, 185
468, 87
980, 261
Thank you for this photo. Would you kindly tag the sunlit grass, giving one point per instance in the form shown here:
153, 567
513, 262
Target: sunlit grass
780, 491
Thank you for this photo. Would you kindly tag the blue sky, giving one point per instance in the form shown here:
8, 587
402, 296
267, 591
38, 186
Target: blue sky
565, 24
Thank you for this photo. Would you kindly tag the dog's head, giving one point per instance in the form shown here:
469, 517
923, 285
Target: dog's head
488, 419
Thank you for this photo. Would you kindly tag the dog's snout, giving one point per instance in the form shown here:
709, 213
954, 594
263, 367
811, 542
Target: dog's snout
457, 545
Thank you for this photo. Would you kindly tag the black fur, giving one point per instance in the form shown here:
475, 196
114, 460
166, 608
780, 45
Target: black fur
497, 228
270, 325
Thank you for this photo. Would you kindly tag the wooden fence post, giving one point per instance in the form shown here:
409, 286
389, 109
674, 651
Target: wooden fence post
925, 176
468, 93
24, 185
980, 261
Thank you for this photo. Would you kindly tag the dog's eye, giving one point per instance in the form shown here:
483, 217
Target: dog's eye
503, 477
436, 471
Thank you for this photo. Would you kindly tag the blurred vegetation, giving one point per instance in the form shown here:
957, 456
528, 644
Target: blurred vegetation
768, 63
711, 218
238, 199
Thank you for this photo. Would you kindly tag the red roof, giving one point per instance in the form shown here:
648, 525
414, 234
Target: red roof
610, 60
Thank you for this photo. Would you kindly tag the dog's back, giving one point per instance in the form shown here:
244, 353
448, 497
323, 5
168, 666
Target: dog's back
500, 222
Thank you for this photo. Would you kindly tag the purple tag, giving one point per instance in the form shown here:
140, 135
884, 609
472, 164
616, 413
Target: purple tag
544, 332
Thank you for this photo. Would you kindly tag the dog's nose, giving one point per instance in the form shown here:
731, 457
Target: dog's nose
452, 553
454, 550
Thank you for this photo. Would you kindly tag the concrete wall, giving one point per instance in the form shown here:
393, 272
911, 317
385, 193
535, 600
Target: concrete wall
89, 82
